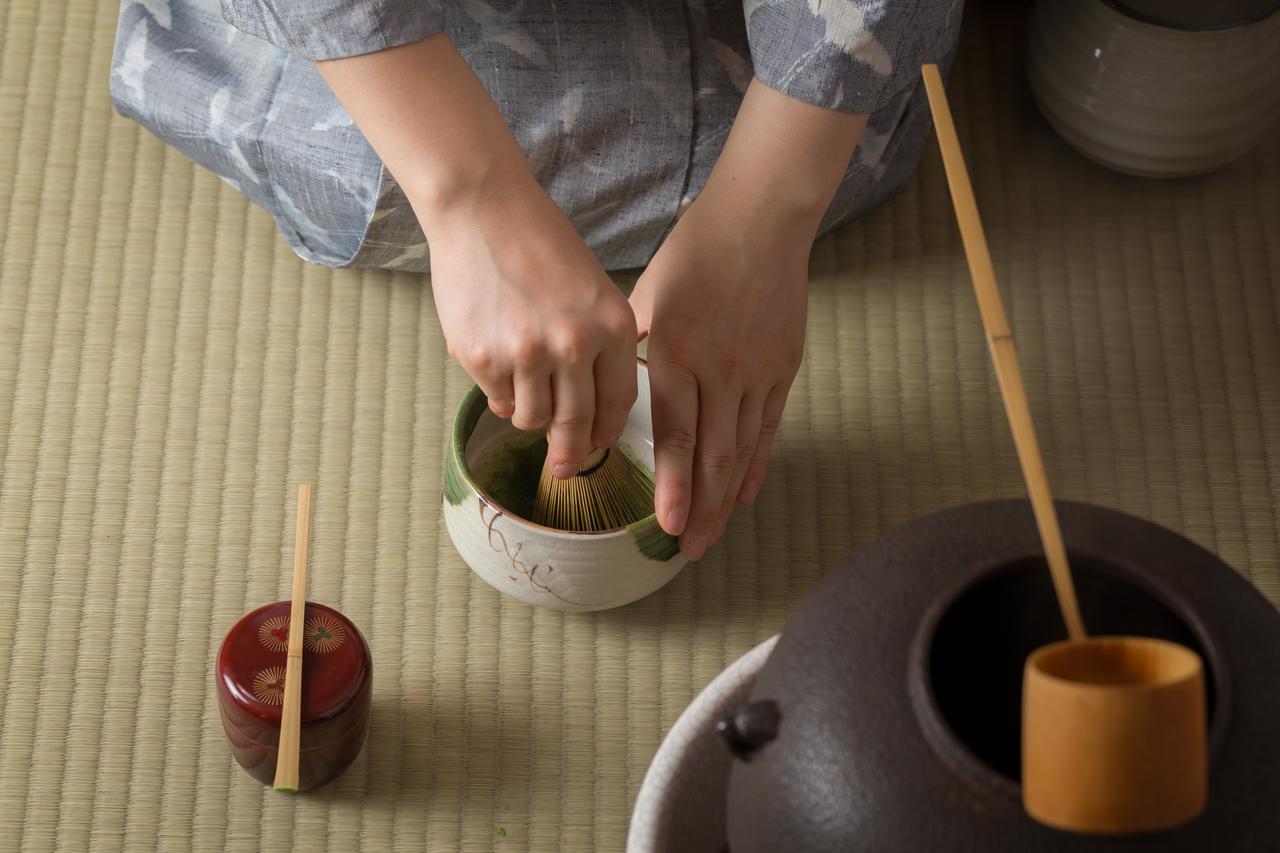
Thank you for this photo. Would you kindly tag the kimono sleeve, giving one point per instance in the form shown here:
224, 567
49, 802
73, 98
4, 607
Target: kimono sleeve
849, 55
331, 29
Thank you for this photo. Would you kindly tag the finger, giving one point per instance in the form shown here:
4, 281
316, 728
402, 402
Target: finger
770, 418
717, 434
750, 414
533, 399
573, 412
501, 395
674, 396
493, 378
615, 390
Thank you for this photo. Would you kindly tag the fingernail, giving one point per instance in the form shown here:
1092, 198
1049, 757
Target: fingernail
564, 470
610, 442
676, 519
749, 493
695, 547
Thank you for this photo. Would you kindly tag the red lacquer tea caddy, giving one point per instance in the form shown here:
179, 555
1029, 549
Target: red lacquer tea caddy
337, 681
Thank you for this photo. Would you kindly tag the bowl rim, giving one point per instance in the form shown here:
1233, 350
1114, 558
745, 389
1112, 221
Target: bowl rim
473, 405
1190, 665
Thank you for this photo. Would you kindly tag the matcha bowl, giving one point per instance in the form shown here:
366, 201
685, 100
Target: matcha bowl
490, 477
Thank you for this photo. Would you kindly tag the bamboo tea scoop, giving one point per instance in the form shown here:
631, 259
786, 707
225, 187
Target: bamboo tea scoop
291, 714
1113, 728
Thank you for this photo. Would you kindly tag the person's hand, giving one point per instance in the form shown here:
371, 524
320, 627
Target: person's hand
531, 315
525, 306
724, 303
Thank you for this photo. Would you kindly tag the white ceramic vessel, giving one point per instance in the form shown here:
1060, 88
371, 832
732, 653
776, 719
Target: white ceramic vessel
1150, 99
540, 565
681, 805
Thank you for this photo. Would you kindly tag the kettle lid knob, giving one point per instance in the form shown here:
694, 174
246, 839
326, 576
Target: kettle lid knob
750, 727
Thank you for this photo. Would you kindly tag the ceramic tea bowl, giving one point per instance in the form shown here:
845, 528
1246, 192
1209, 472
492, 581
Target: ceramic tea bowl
490, 476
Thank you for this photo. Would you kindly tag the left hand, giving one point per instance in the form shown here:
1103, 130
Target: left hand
724, 302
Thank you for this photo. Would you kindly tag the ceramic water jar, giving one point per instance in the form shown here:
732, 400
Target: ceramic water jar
1158, 88
887, 717
491, 473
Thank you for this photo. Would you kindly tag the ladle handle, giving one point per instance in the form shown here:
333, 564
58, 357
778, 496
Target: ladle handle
1004, 354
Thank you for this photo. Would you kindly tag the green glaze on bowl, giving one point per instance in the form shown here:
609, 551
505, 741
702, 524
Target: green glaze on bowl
654, 542
455, 487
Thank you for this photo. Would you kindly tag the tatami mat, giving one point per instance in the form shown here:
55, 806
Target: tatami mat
169, 371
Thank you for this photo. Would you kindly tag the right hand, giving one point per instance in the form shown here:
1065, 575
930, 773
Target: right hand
529, 312
524, 304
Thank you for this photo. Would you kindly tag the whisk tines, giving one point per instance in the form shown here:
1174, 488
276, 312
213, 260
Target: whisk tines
609, 491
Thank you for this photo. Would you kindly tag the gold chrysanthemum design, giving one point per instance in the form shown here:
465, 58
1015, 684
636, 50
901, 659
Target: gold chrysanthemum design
324, 634
268, 685
274, 633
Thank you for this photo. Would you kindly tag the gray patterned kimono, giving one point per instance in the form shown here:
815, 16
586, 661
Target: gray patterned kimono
621, 106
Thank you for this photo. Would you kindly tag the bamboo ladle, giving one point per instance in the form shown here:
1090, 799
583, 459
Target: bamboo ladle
1113, 728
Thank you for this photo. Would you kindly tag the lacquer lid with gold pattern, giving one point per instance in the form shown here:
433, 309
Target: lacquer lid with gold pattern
336, 686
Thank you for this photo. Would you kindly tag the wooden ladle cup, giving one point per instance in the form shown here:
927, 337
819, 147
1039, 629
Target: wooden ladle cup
1114, 735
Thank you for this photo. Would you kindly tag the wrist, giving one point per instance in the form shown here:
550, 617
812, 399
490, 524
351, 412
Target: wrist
441, 196
784, 159
760, 212
767, 198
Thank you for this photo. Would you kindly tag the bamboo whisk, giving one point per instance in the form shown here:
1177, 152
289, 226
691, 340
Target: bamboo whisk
609, 491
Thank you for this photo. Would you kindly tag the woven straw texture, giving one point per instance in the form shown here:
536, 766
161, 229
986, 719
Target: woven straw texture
169, 371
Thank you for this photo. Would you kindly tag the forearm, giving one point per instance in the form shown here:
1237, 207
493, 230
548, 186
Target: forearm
433, 124
784, 156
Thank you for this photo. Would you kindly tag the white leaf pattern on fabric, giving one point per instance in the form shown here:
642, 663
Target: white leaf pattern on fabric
336, 117
345, 179
594, 213
523, 45
849, 28
133, 65
541, 153
504, 29
223, 133
160, 12
738, 69
416, 252
307, 229
572, 105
